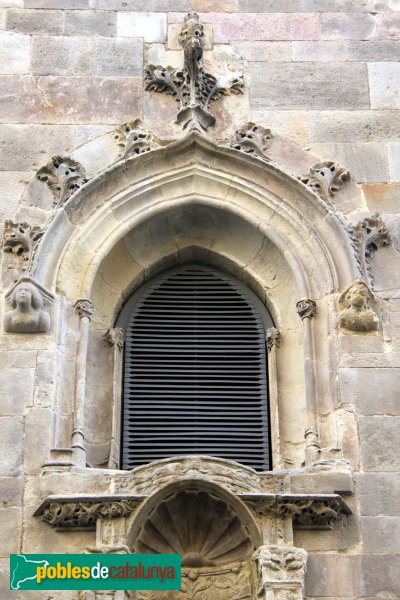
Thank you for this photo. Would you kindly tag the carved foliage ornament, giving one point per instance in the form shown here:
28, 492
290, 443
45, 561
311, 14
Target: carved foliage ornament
252, 139
273, 338
28, 307
133, 139
356, 313
278, 567
63, 176
84, 308
114, 337
326, 178
85, 513
191, 86
20, 238
368, 236
306, 308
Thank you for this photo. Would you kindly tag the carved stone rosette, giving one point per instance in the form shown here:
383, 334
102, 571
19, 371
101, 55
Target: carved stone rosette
252, 139
326, 178
133, 139
306, 308
368, 236
281, 571
356, 313
29, 306
191, 86
114, 337
64, 176
273, 338
84, 308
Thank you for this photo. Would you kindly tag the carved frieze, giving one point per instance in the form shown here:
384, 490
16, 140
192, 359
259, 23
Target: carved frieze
20, 238
368, 236
133, 138
114, 337
29, 306
273, 338
306, 308
252, 139
281, 571
356, 313
64, 176
191, 86
326, 178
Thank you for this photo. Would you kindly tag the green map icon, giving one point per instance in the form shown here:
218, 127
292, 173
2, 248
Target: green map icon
24, 569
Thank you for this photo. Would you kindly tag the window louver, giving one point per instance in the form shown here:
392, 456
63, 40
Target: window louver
195, 377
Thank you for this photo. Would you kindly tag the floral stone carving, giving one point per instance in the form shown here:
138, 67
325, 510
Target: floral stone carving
306, 308
114, 337
20, 238
355, 309
281, 571
368, 236
191, 86
273, 338
133, 139
326, 178
29, 305
63, 176
252, 139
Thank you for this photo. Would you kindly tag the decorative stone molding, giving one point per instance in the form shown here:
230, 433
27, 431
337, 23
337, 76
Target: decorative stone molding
107, 550
356, 313
66, 512
368, 236
20, 238
273, 338
252, 139
64, 176
281, 571
84, 308
326, 178
29, 306
306, 308
191, 86
114, 337
133, 138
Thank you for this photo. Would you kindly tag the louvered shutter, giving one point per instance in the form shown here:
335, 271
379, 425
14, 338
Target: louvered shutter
195, 377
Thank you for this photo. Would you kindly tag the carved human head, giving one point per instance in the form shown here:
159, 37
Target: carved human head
357, 296
25, 293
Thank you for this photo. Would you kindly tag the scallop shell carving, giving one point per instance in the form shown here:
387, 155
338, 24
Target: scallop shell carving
197, 525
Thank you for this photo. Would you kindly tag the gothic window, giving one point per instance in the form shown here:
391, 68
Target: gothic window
195, 370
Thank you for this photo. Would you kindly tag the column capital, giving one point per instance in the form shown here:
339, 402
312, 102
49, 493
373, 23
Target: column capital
84, 308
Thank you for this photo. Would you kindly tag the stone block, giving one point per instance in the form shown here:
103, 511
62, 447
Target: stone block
82, 22
322, 576
380, 576
215, 5
152, 27
352, 125
11, 3
394, 161
10, 527
11, 446
389, 26
12, 185
11, 489
380, 535
371, 391
14, 53
39, 435
347, 50
60, 55
35, 21
334, 6
27, 147
365, 161
379, 437
117, 57
308, 86
57, 4
379, 493
382, 197
384, 80
340, 25
16, 390
142, 5
87, 133
290, 124
264, 51
254, 6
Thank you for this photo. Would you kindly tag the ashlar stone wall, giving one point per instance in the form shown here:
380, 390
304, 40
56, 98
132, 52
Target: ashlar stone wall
324, 75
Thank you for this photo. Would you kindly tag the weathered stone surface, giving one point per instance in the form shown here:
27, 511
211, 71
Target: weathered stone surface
379, 437
347, 50
380, 535
142, 5
11, 489
372, 391
365, 161
335, 6
264, 51
11, 436
380, 576
90, 23
379, 493
394, 161
338, 25
382, 196
60, 55
292, 125
152, 27
16, 390
14, 53
254, 6
384, 81
308, 86
323, 579
389, 26
117, 57
215, 5
35, 21
39, 424
57, 4
350, 126
10, 527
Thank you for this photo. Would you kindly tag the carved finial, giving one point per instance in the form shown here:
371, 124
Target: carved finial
326, 178
84, 308
355, 308
252, 139
19, 238
191, 86
273, 338
114, 337
306, 308
368, 236
64, 176
135, 139
29, 307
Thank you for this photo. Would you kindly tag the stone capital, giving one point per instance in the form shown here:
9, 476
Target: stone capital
306, 308
281, 571
84, 308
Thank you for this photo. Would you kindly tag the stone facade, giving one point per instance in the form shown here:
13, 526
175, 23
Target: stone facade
279, 164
